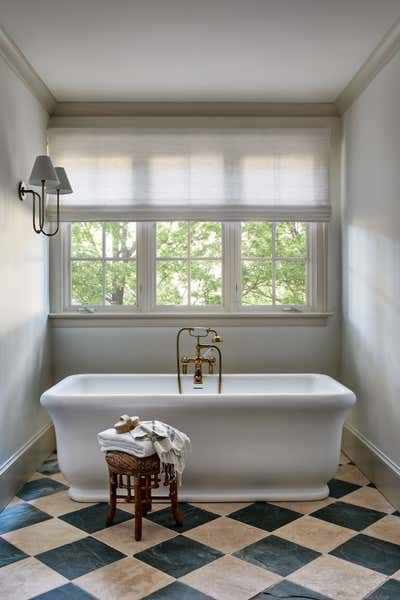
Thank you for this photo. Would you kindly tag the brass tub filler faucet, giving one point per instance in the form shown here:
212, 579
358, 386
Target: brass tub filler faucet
203, 355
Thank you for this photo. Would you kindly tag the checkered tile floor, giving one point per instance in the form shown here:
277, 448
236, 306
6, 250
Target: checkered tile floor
346, 547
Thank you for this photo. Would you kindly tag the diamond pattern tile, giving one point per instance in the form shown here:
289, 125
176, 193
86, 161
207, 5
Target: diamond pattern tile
370, 552
178, 556
348, 515
277, 555
20, 515
9, 553
192, 517
176, 591
339, 488
265, 516
79, 558
44, 486
287, 589
49, 467
93, 518
345, 547
390, 590
65, 592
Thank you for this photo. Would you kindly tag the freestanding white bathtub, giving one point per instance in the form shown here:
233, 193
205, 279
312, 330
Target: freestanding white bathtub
266, 437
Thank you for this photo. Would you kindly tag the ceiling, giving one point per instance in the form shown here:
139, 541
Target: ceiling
197, 50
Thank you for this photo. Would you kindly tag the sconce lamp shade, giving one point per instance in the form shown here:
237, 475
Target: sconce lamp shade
43, 170
64, 187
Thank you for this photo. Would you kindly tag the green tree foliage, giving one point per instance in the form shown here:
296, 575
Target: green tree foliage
188, 263
108, 275
186, 273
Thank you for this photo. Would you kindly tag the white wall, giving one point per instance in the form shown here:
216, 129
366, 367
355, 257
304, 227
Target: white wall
371, 261
24, 338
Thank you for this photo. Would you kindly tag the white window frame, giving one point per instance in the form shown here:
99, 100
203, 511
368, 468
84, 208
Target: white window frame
316, 264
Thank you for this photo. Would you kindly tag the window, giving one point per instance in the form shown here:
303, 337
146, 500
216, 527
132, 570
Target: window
198, 266
274, 264
189, 264
103, 264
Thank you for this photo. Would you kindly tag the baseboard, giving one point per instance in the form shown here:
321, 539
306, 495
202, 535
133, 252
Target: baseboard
378, 467
20, 466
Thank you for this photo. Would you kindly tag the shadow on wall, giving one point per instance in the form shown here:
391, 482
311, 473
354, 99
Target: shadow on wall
371, 334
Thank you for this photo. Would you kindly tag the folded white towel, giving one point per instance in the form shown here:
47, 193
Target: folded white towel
124, 442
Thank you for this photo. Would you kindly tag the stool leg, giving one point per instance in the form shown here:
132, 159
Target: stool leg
138, 507
173, 494
113, 498
147, 507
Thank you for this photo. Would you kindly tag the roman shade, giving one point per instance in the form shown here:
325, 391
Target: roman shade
142, 174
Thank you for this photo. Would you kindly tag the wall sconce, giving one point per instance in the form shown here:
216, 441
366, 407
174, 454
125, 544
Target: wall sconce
52, 181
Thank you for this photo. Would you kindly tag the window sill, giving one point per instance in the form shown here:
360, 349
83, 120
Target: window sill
253, 319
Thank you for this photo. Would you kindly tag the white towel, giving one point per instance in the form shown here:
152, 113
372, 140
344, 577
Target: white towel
124, 442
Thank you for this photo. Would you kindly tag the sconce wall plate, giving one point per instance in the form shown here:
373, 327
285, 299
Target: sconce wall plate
21, 191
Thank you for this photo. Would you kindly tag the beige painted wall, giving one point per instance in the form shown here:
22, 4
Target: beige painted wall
24, 338
371, 262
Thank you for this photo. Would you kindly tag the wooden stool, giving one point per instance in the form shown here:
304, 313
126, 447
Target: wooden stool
146, 476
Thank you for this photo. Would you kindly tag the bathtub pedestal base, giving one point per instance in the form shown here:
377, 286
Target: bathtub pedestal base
275, 495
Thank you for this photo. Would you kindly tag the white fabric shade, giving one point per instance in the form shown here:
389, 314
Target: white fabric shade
222, 174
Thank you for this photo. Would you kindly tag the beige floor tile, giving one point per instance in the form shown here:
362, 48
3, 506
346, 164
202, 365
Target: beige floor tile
230, 578
387, 529
59, 477
351, 474
126, 579
36, 476
338, 579
369, 498
307, 506
130, 506
58, 504
221, 508
226, 535
44, 536
315, 534
14, 502
27, 578
122, 538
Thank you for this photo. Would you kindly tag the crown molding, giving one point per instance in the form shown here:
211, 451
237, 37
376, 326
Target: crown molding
24, 70
194, 109
383, 53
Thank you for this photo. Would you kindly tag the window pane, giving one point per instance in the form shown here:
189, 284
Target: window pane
291, 240
86, 240
205, 282
206, 240
86, 282
120, 282
120, 240
172, 239
257, 239
172, 282
290, 286
256, 282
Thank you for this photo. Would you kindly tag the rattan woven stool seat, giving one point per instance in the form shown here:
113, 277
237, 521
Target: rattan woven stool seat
139, 475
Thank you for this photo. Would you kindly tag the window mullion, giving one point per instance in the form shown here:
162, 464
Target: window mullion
273, 264
145, 266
